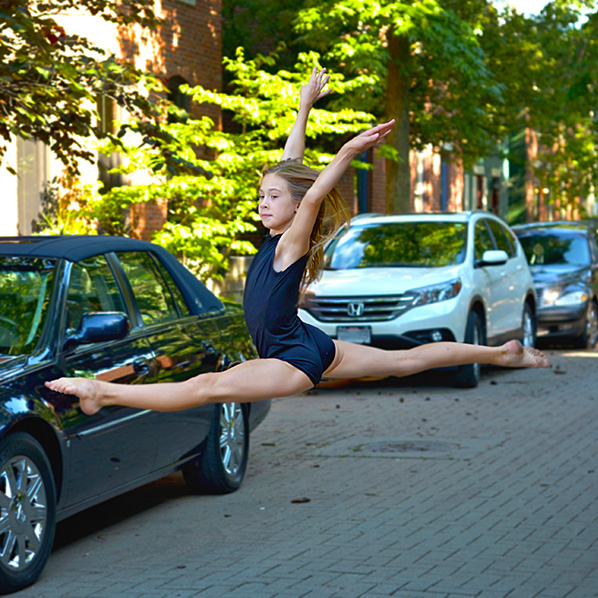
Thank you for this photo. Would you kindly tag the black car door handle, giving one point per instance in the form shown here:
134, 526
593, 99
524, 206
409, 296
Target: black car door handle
141, 367
208, 347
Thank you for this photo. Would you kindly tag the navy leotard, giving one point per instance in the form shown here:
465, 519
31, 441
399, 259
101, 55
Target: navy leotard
270, 305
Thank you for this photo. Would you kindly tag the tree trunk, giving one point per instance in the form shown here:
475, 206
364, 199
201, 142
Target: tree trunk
398, 175
531, 154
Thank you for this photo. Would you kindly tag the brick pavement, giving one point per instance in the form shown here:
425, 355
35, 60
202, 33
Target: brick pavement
494, 497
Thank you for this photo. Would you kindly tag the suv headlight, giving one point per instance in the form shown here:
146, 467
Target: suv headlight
437, 292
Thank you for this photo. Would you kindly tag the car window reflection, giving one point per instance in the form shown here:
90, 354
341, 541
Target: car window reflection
154, 298
482, 240
92, 287
564, 249
26, 286
399, 244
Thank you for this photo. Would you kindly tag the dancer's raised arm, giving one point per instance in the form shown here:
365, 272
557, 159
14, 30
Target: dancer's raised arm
310, 93
298, 234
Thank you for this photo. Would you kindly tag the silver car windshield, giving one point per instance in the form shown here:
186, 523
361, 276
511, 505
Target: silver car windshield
555, 248
398, 244
25, 292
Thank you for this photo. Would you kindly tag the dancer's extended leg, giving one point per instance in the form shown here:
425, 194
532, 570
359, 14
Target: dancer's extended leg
356, 361
248, 381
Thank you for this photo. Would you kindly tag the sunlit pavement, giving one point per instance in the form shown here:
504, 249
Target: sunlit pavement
410, 489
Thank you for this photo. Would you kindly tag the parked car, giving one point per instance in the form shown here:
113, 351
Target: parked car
119, 310
401, 281
563, 258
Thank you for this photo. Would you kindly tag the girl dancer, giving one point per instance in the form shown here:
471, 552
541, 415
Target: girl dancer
293, 356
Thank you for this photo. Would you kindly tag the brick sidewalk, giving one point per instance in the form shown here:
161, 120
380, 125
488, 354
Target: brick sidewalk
389, 489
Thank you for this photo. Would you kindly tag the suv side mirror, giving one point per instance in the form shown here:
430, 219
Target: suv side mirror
99, 327
493, 257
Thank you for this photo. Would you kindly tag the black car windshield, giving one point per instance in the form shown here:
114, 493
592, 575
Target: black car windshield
25, 292
398, 244
555, 248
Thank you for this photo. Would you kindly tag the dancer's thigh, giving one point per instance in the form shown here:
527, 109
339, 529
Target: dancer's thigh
358, 361
259, 379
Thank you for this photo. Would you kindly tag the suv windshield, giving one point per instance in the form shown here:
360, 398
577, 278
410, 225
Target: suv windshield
25, 291
398, 244
555, 248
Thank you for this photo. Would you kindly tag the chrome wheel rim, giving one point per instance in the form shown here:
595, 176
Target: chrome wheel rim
23, 513
232, 437
528, 329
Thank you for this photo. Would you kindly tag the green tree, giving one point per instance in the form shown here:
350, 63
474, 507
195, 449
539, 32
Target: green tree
212, 202
417, 62
548, 65
50, 81
261, 28
565, 113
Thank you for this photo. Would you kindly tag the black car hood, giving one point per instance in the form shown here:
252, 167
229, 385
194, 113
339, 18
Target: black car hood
565, 275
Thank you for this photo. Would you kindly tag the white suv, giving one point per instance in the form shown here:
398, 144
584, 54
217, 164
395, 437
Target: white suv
401, 281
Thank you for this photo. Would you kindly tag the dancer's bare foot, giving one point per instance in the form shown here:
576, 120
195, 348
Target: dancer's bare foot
515, 355
87, 390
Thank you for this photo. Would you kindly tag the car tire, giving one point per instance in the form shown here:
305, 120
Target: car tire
468, 376
27, 511
589, 337
222, 465
529, 327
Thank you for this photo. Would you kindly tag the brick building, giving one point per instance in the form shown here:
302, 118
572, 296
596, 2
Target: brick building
187, 48
438, 184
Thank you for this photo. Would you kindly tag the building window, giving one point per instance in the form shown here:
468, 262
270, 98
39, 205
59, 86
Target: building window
180, 100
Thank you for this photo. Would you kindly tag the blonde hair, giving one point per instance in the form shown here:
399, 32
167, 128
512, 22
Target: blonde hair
332, 215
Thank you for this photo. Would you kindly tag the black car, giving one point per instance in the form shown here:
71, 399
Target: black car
119, 310
563, 259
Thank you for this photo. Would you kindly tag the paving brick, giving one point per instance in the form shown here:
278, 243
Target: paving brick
511, 513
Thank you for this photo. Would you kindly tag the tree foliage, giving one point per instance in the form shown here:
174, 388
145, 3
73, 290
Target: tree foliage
460, 75
418, 62
548, 65
50, 81
210, 177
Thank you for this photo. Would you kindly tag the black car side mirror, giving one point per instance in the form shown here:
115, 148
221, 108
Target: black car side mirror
99, 327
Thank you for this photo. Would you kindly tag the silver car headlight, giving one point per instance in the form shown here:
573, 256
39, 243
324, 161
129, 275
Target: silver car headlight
436, 292
559, 298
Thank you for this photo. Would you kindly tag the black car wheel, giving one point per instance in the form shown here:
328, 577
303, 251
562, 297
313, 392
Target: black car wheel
27, 511
589, 337
468, 376
529, 327
222, 465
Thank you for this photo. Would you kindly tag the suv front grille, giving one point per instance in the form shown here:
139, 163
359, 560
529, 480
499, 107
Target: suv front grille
358, 309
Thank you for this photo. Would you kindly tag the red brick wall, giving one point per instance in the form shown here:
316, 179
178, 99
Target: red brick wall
432, 184
187, 45
456, 187
146, 218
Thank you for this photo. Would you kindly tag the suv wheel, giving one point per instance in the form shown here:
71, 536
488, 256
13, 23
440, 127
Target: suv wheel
468, 376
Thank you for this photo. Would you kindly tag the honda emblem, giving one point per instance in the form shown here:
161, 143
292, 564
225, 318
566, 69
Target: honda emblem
355, 309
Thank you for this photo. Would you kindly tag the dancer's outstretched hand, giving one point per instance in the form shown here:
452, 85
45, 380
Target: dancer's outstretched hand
313, 90
370, 138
